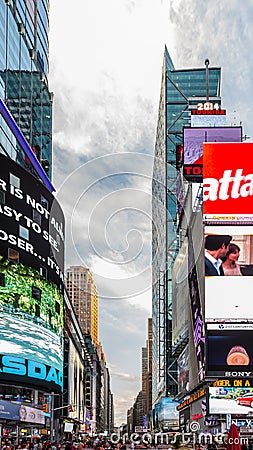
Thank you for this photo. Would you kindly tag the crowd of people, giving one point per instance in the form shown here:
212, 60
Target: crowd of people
92, 443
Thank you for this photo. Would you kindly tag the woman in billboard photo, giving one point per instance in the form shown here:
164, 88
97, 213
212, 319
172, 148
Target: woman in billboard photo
230, 265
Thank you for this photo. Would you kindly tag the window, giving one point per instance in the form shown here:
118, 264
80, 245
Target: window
36, 293
13, 255
37, 310
24, 232
36, 217
44, 202
15, 181
2, 197
2, 279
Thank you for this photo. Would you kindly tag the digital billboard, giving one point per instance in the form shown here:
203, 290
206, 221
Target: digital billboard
227, 179
183, 370
168, 411
208, 120
193, 146
229, 350
31, 322
230, 400
32, 222
196, 310
31, 280
180, 326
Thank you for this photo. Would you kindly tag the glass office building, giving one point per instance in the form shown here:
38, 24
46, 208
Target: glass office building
24, 70
180, 92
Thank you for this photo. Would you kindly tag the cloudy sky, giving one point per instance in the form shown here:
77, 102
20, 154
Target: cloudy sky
105, 72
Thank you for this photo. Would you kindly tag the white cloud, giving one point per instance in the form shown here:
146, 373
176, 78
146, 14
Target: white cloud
105, 72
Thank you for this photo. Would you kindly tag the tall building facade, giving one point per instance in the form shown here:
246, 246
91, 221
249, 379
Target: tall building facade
24, 70
180, 92
32, 247
84, 297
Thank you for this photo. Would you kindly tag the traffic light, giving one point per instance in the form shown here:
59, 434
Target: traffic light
45, 407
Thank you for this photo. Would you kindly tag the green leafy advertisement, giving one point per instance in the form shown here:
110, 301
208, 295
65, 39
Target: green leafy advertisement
25, 293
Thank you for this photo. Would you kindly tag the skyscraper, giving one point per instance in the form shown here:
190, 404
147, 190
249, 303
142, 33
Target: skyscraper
180, 91
84, 297
24, 70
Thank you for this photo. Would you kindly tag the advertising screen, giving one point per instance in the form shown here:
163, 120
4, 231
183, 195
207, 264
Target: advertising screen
193, 147
195, 137
183, 370
17, 411
227, 179
180, 326
196, 311
223, 294
31, 322
229, 350
208, 120
230, 400
32, 222
168, 410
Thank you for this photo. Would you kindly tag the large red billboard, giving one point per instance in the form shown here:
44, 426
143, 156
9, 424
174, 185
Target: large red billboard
228, 178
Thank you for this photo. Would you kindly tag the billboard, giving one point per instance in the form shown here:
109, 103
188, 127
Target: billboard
32, 222
229, 350
168, 411
76, 383
180, 325
198, 119
31, 281
193, 147
230, 400
31, 322
17, 411
196, 310
227, 179
183, 370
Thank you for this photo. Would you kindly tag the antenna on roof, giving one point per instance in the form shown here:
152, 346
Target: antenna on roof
207, 81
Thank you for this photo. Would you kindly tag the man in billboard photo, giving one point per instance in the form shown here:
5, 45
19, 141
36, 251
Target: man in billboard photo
216, 247
230, 265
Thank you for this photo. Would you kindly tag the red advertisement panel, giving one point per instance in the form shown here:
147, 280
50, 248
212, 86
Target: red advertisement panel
228, 178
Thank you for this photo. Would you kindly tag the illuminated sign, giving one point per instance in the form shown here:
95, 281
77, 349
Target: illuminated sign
196, 311
32, 308
32, 223
208, 106
183, 370
230, 400
211, 112
168, 410
227, 178
22, 366
191, 399
194, 137
229, 352
226, 219
193, 172
234, 382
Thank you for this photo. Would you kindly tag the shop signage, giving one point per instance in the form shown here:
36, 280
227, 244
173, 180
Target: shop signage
234, 382
192, 399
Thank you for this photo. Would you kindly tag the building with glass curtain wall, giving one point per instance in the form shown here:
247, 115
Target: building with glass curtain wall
24, 70
180, 92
